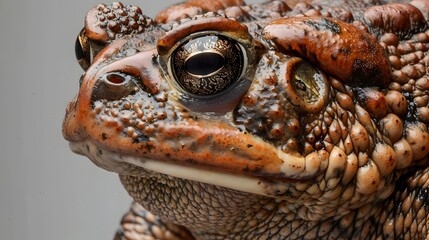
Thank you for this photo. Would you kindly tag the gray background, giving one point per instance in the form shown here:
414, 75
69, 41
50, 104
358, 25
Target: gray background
46, 191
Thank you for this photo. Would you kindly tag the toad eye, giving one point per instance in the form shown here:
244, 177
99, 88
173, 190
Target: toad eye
306, 86
207, 65
82, 50
209, 62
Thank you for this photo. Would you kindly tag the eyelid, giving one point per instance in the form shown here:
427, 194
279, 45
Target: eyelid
203, 25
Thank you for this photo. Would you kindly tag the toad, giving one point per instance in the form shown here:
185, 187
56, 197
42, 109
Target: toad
275, 120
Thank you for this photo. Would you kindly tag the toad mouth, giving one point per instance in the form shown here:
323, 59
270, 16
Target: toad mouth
121, 163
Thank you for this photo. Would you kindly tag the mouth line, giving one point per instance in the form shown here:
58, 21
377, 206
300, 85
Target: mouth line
120, 163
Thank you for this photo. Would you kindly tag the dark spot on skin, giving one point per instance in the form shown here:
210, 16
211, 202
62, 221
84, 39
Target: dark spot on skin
410, 118
209, 139
345, 50
104, 136
365, 74
155, 59
423, 194
325, 24
150, 147
141, 138
305, 32
100, 152
94, 95
313, 56
287, 193
337, 171
249, 145
369, 43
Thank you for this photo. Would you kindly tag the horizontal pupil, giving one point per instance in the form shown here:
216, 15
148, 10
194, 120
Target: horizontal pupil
204, 63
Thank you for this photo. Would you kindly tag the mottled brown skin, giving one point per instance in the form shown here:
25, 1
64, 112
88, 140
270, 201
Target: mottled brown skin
339, 88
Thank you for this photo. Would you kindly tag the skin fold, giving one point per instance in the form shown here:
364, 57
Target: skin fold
275, 120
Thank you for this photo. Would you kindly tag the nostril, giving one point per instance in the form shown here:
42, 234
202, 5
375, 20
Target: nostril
114, 86
115, 78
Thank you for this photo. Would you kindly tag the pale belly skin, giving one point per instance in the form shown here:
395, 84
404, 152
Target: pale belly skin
276, 120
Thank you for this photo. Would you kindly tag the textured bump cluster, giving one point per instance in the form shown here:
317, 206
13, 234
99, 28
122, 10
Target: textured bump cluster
264, 110
269, 9
139, 222
233, 212
135, 120
200, 205
409, 61
194, 7
119, 20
